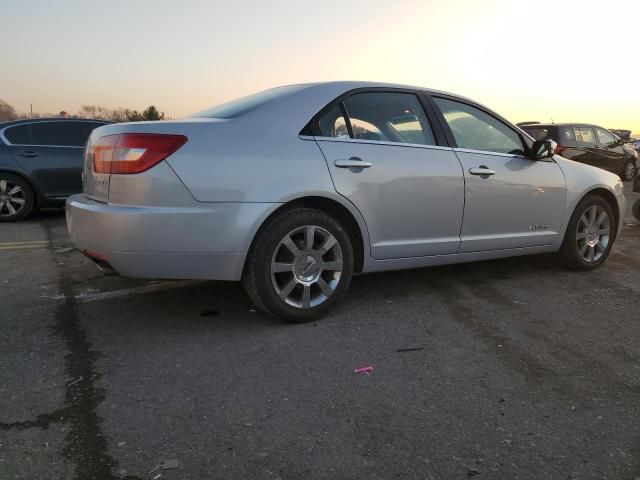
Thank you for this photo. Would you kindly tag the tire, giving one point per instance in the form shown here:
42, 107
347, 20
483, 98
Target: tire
283, 275
629, 170
636, 209
16, 198
584, 236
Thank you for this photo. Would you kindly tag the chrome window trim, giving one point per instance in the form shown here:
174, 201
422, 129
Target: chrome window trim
488, 152
9, 144
380, 142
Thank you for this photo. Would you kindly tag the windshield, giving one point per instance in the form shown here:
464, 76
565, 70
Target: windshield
242, 105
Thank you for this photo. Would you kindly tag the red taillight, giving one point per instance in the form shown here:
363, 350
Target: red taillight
559, 149
133, 152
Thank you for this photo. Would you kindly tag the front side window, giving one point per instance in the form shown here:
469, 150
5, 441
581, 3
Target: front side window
389, 117
604, 137
585, 135
476, 130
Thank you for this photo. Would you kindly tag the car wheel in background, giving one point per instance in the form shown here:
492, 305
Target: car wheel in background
16, 198
300, 265
590, 234
629, 170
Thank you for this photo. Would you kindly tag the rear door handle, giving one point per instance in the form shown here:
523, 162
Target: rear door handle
28, 154
353, 162
482, 171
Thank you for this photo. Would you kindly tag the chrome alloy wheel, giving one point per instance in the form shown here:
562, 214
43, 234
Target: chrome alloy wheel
12, 198
629, 170
306, 266
593, 233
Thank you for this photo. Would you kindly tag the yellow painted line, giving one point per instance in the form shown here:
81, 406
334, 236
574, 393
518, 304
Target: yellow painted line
24, 245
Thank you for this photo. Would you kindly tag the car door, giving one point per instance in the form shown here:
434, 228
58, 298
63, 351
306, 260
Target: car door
611, 150
383, 157
51, 151
587, 145
511, 201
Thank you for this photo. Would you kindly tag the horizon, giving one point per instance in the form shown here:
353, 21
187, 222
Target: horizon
479, 51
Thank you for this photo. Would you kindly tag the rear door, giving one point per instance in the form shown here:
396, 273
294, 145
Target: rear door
51, 151
511, 201
382, 154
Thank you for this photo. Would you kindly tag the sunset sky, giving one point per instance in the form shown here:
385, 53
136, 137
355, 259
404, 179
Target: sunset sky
529, 60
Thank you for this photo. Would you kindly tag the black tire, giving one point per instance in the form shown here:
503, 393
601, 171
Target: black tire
569, 252
261, 285
629, 171
25, 195
636, 209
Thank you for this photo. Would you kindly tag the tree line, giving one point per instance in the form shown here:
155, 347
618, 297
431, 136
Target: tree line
8, 112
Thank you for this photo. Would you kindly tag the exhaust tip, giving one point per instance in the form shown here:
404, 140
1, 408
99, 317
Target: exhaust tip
100, 261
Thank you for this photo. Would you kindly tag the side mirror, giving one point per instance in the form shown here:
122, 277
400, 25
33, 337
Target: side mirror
542, 149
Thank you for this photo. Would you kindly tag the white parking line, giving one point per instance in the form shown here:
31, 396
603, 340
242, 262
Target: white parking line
93, 296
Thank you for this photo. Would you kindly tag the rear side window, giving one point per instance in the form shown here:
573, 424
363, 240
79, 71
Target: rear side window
19, 135
566, 135
389, 117
538, 133
60, 134
333, 124
476, 130
585, 135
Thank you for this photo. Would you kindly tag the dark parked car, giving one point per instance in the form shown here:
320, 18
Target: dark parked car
588, 144
40, 163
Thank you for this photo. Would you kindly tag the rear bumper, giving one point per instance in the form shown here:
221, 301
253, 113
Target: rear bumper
204, 241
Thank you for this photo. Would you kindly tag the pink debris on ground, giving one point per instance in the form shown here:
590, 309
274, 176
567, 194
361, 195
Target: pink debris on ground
366, 370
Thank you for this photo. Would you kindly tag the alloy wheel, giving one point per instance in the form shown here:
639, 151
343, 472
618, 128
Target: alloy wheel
593, 233
629, 171
306, 266
12, 198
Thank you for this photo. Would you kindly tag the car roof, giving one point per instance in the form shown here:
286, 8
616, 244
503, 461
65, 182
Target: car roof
50, 119
567, 124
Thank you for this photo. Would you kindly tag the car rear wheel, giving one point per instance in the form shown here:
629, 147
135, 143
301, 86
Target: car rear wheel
590, 234
300, 265
629, 170
16, 198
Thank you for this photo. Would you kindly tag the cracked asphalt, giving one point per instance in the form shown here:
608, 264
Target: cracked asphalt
512, 369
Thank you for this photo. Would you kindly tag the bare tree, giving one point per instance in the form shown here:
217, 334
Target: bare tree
7, 112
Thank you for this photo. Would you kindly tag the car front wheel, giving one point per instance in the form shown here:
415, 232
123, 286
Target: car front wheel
300, 265
16, 198
629, 170
590, 234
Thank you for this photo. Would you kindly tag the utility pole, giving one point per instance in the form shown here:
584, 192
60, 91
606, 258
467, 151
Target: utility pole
31, 109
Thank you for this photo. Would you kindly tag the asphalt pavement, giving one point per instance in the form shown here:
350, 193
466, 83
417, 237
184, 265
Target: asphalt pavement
509, 369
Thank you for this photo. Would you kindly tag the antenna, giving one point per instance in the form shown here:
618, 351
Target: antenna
552, 121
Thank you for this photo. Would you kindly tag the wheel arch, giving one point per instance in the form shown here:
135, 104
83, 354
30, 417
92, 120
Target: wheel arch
348, 219
39, 197
610, 198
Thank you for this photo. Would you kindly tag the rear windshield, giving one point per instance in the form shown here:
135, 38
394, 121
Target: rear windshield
243, 105
537, 132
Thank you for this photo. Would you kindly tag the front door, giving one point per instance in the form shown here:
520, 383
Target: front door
510, 200
383, 157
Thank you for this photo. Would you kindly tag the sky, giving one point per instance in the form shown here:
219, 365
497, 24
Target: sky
566, 60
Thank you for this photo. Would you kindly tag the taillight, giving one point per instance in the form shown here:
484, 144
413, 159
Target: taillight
559, 149
133, 152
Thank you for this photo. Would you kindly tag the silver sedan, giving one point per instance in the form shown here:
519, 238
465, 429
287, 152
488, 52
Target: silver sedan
295, 189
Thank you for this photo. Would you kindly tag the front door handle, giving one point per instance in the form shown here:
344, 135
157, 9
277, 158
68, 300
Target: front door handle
353, 162
482, 171
28, 154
